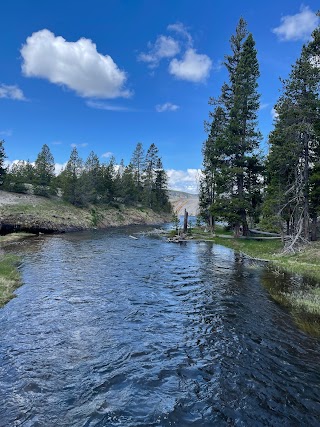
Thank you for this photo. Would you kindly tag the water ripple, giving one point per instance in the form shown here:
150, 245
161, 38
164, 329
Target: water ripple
108, 331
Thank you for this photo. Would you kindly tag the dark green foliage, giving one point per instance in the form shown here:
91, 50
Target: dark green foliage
230, 189
69, 180
292, 196
44, 167
138, 164
142, 183
20, 174
93, 183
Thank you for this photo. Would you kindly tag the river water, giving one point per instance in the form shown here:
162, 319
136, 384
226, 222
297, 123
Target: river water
112, 331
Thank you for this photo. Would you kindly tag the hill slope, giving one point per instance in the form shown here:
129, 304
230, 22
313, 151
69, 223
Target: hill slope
181, 201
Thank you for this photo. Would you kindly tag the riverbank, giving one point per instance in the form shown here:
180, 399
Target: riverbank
10, 278
22, 212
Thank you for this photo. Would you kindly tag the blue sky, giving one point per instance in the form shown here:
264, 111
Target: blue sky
104, 75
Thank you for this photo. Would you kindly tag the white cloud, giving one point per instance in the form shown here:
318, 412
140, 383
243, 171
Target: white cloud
193, 67
164, 47
107, 155
56, 143
108, 107
167, 106
76, 65
11, 92
58, 167
298, 26
84, 144
181, 180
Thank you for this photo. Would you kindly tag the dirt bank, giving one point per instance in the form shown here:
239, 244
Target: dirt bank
22, 212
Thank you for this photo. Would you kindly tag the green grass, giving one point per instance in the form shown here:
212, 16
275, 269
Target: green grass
9, 277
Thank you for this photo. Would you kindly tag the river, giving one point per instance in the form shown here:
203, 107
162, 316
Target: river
112, 331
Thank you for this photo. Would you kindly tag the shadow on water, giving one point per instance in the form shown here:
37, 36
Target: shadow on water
112, 331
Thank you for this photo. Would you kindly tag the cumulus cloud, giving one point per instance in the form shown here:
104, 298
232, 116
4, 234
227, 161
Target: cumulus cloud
11, 92
164, 47
76, 65
184, 180
298, 26
193, 67
167, 106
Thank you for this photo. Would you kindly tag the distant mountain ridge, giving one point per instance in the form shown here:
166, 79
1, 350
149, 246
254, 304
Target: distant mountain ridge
181, 200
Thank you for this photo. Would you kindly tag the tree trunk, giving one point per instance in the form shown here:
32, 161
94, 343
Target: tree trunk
185, 222
242, 211
306, 224
211, 223
314, 228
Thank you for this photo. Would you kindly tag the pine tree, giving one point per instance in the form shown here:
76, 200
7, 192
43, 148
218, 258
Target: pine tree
70, 179
231, 175
92, 179
211, 184
108, 177
294, 145
44, 167
137, 162
161, 202
242, 134
128, 191
149, 175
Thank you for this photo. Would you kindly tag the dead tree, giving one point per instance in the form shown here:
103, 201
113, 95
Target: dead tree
185, 222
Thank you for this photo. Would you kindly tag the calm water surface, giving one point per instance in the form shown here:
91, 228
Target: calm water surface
111, 331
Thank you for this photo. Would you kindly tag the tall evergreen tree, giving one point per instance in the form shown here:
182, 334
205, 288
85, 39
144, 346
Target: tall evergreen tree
70, 179
161, 198
211, 185
108, 184
150, 164
294, 145
91, 179
235, 151
44, 167
137, 162
128, 191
